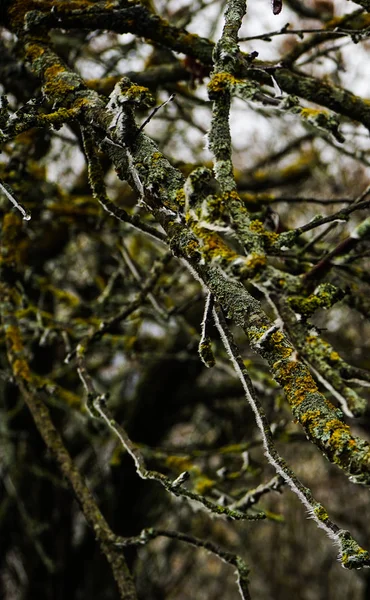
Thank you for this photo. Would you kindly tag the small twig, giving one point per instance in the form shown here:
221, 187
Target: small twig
96, 180
30, 526
97, 408
131, 265
350, 552
154, 112
345, 245
286, 31
228, 557
205, 347
109, 324
54, 442
252, 496
340, 215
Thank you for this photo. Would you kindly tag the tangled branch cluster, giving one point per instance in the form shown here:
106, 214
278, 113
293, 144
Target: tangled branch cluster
118, 227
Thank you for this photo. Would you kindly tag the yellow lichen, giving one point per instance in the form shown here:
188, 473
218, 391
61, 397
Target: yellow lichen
220, 82
269, 237
256, 261
34, 51
339, 433
277, 337
321, 513
179, 464
310, 418
13, 337
312, 112
56, 82
203, 484
21, 369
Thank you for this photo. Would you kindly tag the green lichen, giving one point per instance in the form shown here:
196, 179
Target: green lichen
325, 296
320, 513
352, 555
135, 94
269, 237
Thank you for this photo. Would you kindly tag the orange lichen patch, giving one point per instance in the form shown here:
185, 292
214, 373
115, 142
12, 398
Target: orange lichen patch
280, 344
216, 247
231, 195
319, 345
156, 156
337, 430
13, 338
310, 418
286, 371
220, 83
255, 261
55, 84
34, 51
21, 369
192, 249
257, 226
80, 103
339, 442
137, 94
302, 387
213, 245
311, 339
296, 381
269, 237
277, 337
53, 71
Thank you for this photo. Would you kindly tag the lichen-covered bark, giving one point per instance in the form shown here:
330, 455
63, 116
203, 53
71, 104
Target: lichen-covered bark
222, 238
163, 184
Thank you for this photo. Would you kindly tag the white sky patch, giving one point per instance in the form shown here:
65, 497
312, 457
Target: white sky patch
65, 161
153, 330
